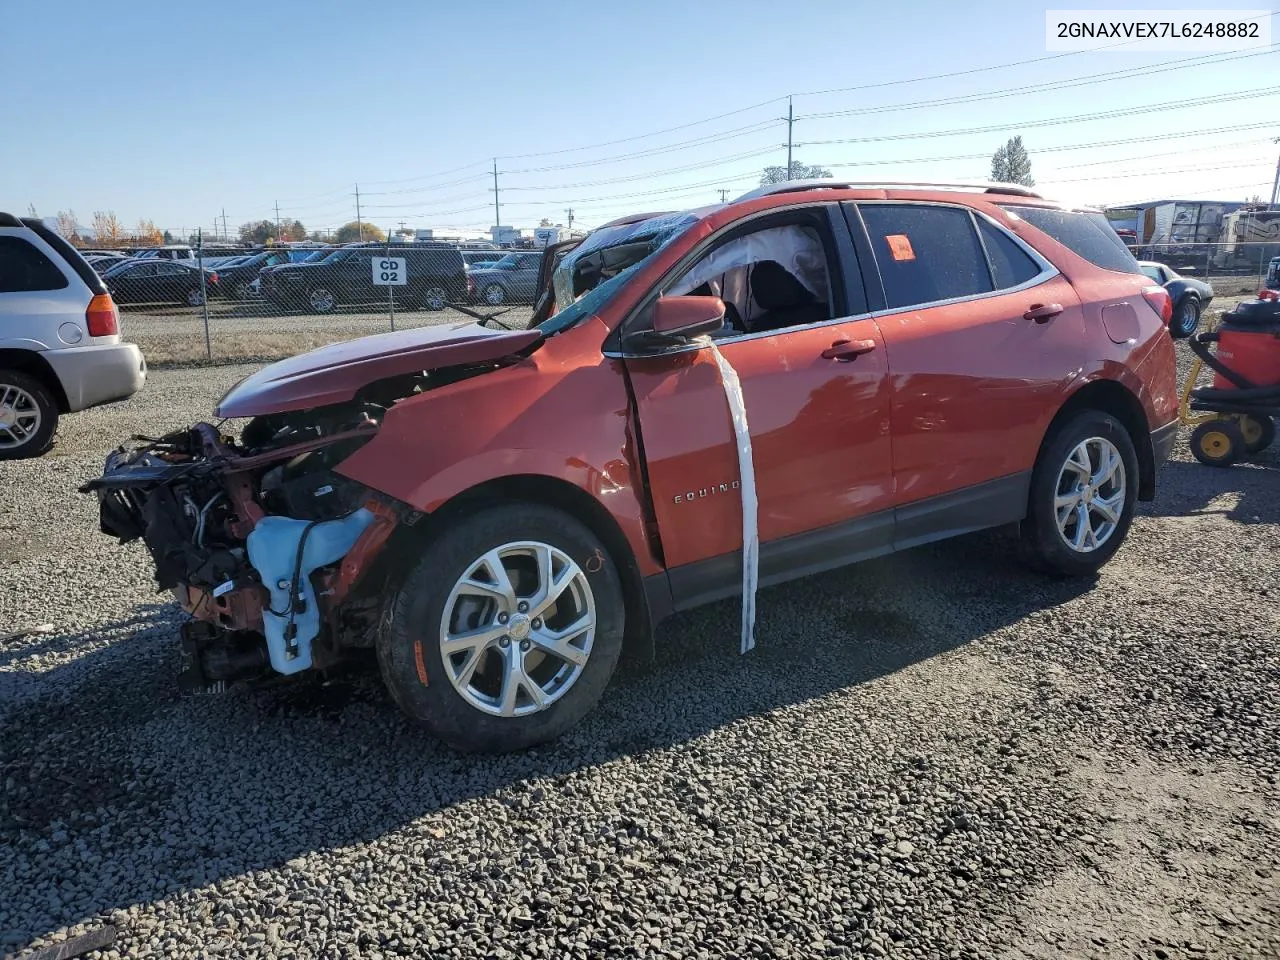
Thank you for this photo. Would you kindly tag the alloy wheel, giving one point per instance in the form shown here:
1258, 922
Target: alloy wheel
517, 629
19, 417
436, 298
494, 294
322, 300
1090, 494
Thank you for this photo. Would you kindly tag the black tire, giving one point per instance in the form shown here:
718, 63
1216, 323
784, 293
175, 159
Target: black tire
409, 649
241, 291
435, 297
1042, 544
1186, 317
1218, 443
1259, 433
494, 294
194, 298
41, 438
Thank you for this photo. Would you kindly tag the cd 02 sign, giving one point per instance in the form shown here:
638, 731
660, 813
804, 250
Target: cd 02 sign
389, 271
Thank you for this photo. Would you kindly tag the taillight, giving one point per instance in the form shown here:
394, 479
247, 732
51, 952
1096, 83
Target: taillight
213, 277
101, 318
471, 284
1160, 302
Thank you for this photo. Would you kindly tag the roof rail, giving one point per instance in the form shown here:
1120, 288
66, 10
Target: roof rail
9, 220
797, 186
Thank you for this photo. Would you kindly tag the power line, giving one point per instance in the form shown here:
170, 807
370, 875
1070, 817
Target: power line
1077, 118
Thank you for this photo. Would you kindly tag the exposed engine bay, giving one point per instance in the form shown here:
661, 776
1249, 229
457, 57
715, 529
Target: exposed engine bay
257, 537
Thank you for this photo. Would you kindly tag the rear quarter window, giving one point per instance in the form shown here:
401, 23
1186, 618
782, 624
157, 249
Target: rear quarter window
24, 268
1011, 266
926, 253
1088, 235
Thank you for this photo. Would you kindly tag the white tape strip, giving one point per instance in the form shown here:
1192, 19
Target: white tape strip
747, 472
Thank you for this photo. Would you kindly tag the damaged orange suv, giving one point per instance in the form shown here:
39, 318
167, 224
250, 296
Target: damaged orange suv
815, 373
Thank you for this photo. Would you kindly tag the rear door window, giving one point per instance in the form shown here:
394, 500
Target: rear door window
24, 268
925, 253
1088, 235
1011, 266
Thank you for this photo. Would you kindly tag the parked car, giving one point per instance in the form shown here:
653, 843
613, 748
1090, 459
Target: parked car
513, 277
60, 346
815, 373
475, 259
173, 251
160, 281
436, 276
237, 279
102, 262
1190, 297
1273, 274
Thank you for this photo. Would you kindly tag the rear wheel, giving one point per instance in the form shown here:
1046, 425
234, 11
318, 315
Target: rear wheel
1218, 443
28, 416
321, 300
194, 297
1083, 491
435, 298
242, 290
1186, 317
494, 294
506, 630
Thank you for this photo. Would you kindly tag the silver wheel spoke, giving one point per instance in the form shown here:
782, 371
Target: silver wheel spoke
500, 588
1080, 463
1110, 507
551, 586
473, 640
559, 643
1110, 462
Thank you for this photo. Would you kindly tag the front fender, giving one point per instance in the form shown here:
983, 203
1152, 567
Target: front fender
559, 413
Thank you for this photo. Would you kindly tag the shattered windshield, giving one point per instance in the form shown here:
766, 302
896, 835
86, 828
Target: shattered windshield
594, 271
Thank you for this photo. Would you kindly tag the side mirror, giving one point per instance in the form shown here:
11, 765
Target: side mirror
687, 317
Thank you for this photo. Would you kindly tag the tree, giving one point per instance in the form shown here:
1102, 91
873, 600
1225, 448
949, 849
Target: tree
546, 222
106, 228
149, 234
349, 232
258, 231
799, 171
294, 230
168, 237
1010, 164
67, 225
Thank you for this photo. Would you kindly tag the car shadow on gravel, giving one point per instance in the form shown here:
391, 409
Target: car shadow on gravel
117, 791
1249, 490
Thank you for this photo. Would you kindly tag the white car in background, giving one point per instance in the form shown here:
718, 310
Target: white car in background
60, 346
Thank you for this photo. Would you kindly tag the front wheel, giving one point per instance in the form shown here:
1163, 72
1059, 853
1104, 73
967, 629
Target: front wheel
1186, 318
505, 631
435, 298
1083, 492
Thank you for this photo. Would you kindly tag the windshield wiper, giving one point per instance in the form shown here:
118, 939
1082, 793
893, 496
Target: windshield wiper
484, 317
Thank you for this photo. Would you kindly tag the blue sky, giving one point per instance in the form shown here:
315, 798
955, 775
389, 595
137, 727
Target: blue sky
174, 112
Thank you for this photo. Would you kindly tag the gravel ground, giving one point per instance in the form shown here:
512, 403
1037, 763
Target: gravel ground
932, 755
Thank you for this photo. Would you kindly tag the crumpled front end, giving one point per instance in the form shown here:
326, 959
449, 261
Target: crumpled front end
259, 539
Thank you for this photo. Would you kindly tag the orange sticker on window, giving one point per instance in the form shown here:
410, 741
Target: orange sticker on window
900, 247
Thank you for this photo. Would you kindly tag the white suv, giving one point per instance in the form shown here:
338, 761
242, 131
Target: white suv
60, 348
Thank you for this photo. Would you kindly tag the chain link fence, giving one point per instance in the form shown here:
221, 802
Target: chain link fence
227, 302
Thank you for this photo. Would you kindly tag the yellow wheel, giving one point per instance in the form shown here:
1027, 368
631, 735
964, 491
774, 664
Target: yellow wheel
1218, 443
1259, 432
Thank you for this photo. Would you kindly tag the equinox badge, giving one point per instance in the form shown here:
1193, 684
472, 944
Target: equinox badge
706, 492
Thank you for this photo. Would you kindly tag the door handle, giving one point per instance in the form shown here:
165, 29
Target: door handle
847, 350
1042, 312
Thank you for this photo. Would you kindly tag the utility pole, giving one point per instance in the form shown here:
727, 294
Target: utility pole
497, 217
724, 195
225, 235
277, 221
359, 225
1275, 186
570, 213
791, 121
